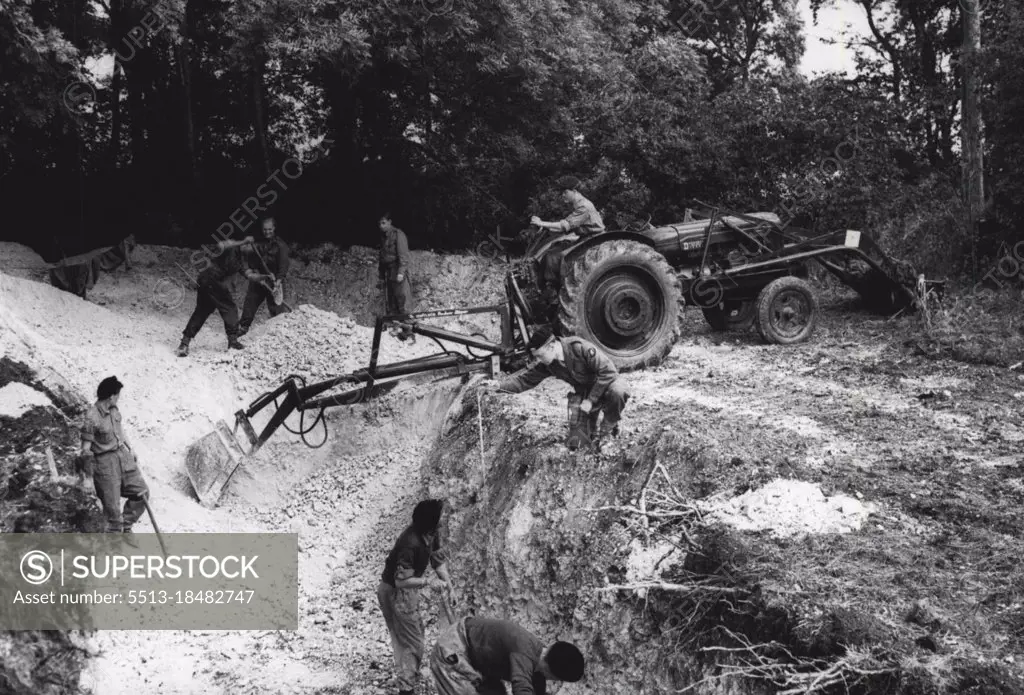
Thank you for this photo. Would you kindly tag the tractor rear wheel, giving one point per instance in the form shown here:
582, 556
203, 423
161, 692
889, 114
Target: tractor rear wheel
787, 311
731, 315
624, 297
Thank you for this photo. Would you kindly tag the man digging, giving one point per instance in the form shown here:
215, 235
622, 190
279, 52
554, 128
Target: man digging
108, 458
581, 364
399, 590
269, 260
475, 655
214, 293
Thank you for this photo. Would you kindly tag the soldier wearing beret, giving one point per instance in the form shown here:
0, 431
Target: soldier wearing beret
108, 457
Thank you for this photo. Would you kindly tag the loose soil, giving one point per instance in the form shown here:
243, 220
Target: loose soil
906, 537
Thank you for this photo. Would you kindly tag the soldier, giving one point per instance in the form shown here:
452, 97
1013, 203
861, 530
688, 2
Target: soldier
214, 293
584, 220
579, 363
394, 270
399, 588
476, 654
108, 458
274, 253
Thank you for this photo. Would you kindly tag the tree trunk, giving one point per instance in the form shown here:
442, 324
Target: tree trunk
973, 143
184, 51
259, 115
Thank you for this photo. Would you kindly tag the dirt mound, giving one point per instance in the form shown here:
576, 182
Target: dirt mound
22, 262
17, 399
345, 282
317, 345
789, 508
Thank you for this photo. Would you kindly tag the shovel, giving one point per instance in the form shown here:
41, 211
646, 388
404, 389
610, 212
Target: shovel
276, 289
447, 616
152, 520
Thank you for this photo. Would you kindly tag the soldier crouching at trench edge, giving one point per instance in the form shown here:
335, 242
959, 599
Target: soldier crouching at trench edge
109, 459
580, 363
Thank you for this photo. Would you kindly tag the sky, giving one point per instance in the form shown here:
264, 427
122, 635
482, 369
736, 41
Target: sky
820, 57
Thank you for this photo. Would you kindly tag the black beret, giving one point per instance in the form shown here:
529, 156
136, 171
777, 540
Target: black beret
539, 337
108, 387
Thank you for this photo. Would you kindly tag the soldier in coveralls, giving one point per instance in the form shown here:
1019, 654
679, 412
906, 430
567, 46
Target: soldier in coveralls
394, 270
108, 458
399, 588
476, 654
580, 363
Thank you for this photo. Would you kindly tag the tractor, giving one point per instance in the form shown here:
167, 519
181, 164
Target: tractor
625, 290
622, 290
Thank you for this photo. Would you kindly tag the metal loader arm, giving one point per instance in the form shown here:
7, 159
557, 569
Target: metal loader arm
365, 384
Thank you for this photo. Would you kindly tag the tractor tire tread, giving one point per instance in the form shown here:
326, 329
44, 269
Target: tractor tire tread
764, 304
571, 299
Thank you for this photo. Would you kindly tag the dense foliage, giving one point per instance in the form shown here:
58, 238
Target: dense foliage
162, 117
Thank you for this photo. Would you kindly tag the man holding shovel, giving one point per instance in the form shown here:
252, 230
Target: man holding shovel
269, 261
109, 459
213, 292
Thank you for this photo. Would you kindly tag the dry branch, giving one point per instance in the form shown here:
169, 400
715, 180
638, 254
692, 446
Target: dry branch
669, 586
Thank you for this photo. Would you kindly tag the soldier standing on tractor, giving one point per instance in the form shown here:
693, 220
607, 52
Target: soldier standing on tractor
270, 260
214, 293
580, 363
584, 220
394, 270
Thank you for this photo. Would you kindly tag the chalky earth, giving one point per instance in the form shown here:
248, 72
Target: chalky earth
836, 514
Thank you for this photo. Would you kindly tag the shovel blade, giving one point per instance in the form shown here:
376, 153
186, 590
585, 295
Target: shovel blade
211, 461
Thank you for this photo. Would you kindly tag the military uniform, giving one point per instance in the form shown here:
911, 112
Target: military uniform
214, 294
116, 470
394, 261
409, 558
476, 655
590, 372
584, 220
275, 253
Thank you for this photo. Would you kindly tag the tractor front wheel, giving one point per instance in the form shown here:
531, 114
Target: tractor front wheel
787, 311
624, 297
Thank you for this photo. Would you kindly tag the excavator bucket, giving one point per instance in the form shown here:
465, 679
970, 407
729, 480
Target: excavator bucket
211, 461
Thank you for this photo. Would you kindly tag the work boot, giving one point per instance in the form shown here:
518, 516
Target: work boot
233, 344
242, 330
182, 350
129, 537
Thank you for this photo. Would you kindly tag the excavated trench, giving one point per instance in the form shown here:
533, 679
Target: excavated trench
545, 538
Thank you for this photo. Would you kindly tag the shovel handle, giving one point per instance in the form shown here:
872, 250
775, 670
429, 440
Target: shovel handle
152, 520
